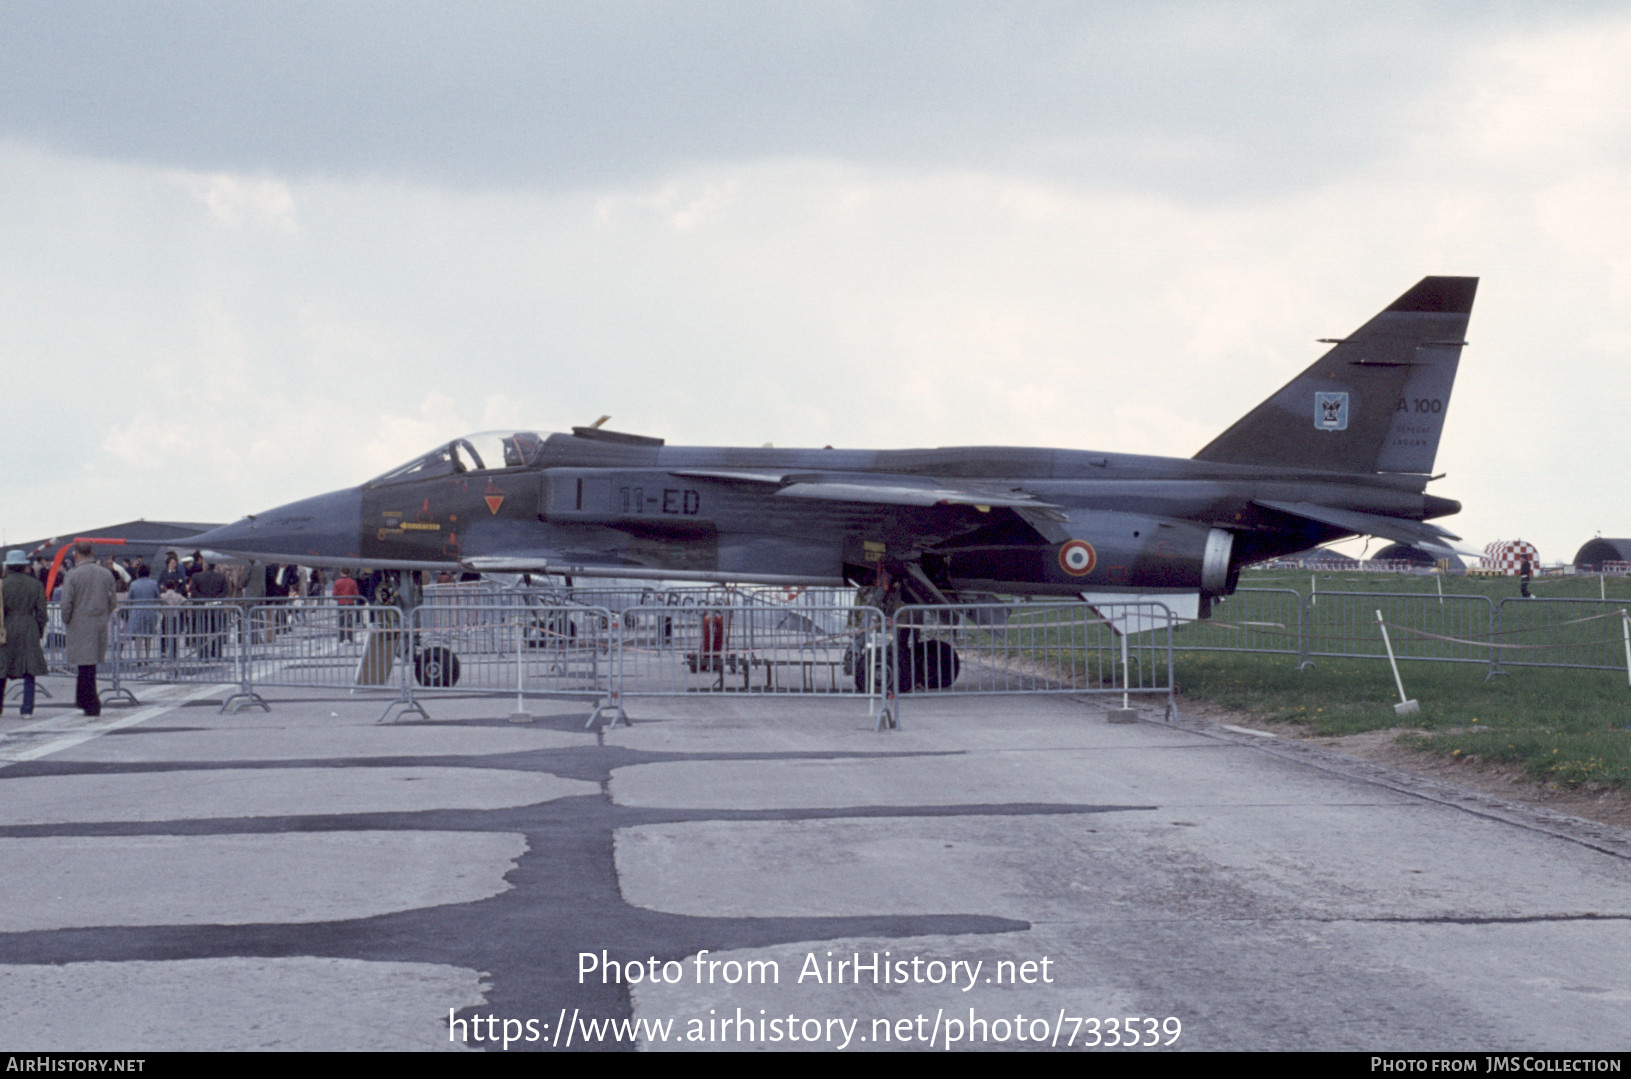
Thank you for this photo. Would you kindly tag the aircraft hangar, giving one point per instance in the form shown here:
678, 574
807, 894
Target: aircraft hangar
1597, 551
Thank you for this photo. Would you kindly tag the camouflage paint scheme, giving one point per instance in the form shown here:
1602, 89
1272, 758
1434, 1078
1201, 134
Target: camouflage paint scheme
1344, 449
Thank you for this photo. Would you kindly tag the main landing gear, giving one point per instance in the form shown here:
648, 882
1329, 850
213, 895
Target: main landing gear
919, 664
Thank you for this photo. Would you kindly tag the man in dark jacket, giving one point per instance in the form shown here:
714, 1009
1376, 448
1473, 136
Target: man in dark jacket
206, 585
21, 655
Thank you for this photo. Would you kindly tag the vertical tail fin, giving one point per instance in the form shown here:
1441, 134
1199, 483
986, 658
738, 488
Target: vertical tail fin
1375, 402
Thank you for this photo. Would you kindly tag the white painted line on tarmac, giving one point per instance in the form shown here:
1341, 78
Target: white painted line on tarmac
1246, 730
78, 729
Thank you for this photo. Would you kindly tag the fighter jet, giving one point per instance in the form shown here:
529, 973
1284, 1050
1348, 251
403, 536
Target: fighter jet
1346, 448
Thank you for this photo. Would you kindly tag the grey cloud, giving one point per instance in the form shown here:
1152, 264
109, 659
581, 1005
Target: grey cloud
1192, 97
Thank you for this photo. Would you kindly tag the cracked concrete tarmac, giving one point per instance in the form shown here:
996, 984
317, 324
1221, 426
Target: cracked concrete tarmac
311, 879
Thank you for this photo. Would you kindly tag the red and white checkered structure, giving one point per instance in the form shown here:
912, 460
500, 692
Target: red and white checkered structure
1504, 556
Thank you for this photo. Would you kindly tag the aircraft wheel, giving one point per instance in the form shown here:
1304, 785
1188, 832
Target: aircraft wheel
436, 666
865, 668
934, 665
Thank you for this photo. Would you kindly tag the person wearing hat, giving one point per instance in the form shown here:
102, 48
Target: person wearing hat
24, 604
88, 600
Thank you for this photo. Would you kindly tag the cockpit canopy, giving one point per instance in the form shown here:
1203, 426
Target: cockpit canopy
485, 451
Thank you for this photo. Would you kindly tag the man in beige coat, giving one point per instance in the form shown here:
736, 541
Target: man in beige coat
88, 600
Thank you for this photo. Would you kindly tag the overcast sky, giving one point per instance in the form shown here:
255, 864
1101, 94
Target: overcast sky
250, 254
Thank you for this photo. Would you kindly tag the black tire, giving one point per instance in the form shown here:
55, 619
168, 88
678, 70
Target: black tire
934, 666
855, 664
919, 664
436, 666
865, 667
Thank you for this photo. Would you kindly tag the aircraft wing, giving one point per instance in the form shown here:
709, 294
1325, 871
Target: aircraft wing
1427, 536
889, 490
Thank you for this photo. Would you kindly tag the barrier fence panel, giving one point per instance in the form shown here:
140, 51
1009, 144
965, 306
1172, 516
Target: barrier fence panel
761, 624
1262, 620
1449, 629
763, 599
751, 648
643, 642
1035, 648
1581, 633
193, 642
55, 640
326, 645
524, 649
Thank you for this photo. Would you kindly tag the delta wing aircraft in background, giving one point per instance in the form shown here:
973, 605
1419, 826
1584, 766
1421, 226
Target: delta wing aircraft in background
1344, 449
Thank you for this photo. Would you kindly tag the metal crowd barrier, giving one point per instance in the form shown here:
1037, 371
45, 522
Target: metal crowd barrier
188, 642
1261, 620
765, 598
1342, 625
328, 645
754, 649
551, 642
55, 640
1586, 634
991, 648
312, 643
528, 649
193, 642
1447, 629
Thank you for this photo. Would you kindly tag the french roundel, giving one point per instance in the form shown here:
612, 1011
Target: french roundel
1077, 558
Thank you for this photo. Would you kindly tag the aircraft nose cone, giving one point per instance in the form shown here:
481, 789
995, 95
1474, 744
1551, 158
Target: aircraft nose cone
326, 528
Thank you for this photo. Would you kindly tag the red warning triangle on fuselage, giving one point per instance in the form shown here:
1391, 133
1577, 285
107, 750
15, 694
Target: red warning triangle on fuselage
493, 496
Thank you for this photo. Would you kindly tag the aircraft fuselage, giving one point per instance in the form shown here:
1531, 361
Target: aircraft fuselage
1343, 449
612, 509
